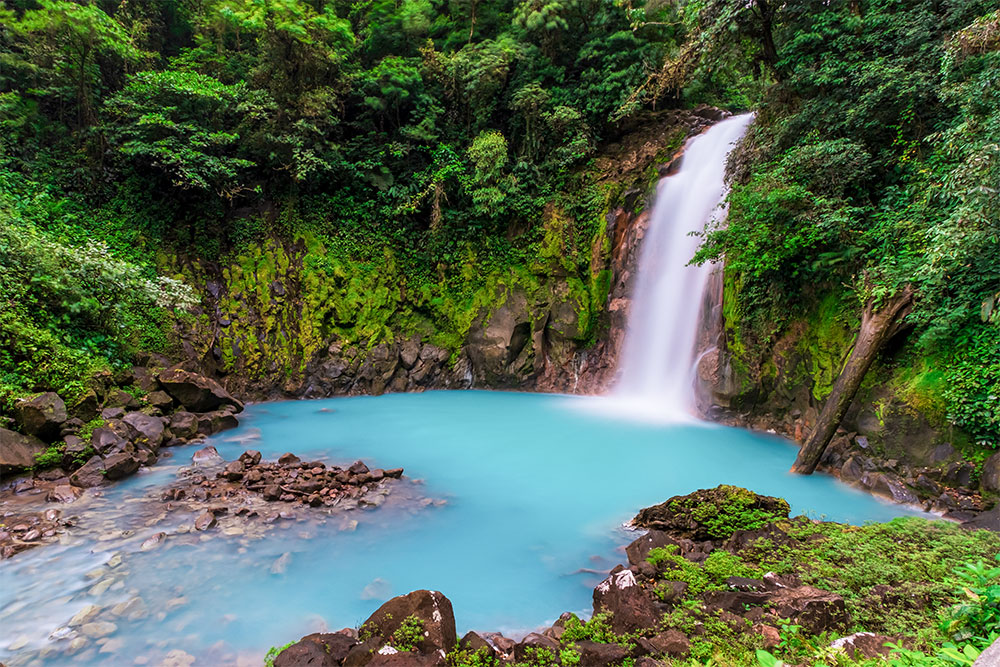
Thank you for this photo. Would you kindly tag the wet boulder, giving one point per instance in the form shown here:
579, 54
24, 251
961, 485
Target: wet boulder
120, 465
712, 514
431, 608
144, 430
18, 451
63, 493
184, 424
105, 441
631, 609
90, 474
214, 422
42, 416
196, 392
206, 455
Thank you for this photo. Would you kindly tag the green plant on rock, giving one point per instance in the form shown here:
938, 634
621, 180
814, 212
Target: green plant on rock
710, 575
51, 457
408, 634
273, 653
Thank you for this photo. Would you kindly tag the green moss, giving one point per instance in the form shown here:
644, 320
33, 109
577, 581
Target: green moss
827, 341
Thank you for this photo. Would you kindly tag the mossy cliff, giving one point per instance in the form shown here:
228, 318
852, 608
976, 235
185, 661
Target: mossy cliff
898, 424
300, 314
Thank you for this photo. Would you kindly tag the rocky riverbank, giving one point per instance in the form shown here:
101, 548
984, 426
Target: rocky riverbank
721, 574
943, 483
121, 423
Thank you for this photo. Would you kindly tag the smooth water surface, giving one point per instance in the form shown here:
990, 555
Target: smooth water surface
537, 488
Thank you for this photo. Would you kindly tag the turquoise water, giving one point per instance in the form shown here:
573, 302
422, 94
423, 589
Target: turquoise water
528, 494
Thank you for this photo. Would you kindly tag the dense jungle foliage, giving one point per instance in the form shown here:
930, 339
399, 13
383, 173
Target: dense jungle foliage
441, 130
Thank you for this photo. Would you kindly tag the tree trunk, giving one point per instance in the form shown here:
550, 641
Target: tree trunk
877, 326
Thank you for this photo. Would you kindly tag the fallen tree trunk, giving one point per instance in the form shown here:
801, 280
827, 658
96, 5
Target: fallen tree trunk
877, 327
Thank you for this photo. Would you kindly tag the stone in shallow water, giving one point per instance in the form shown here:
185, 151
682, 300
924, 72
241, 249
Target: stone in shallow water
153, 542
85, 615
205, 521
98, 629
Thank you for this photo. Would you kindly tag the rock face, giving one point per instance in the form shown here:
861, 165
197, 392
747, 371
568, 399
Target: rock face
629, 605
18, 451
431, 608
196, 392
42, 416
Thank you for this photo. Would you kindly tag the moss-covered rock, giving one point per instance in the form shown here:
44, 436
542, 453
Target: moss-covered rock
713, 514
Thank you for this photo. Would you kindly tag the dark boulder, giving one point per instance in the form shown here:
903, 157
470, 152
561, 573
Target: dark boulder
316, 650
985, 521
217, 421
672, 643
475, 643
18, 451
712, 514
631, 609
814, 609
288, 459
120, 465
42, 416
196, 392
533, 644
104, 440
144, 379
638, 550
431, 608
989, 480
250, 457
184, 424
90, 474
160, 400
593, 654
118, 398
144, 430
85, 407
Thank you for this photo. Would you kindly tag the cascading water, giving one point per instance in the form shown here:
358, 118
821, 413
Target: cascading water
656, 370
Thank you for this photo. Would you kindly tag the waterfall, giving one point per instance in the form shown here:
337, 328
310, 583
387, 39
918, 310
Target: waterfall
656, 373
